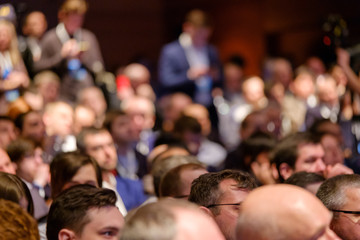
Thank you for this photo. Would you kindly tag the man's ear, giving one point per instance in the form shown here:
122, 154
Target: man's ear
66, 234
285, 170
207, 211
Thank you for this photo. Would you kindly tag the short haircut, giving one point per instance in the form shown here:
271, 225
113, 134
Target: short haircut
80, 138
16, 223
332, 192
64, 167
171, 184
74, 6
198, 18
161, 166
205, 189
110, 118
303, 179
20, 148
155, 221
186, 123
46, 77
12, 188
69, 209
286, 151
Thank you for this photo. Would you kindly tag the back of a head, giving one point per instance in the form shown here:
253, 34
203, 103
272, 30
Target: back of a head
69, 209
281, 211
16, 223
332, 192
305, 180
170, 219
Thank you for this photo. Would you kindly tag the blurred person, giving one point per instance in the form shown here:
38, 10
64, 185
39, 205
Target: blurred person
16, 223
5, 163
84, 212
12, 188
278, 70
220, 194
34, 27
142, 114
316, 65
93, 98
99, 144
131, 163
176, 182
48, 84
341, 195
32, 170
170, 219
73, 168
289, 213
8, 131
306, 180
83, 117
58, 118
30, 125
190, 64
303, 151
71, 51
12, 69
210, 153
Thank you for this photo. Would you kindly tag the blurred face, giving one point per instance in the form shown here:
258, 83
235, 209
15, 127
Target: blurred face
121, 130
60, 121
105, 223
73, 22
141, 114
192, 141
253, 90
5, 163
33, 126
84, 117
333, 151
85, 175
94, 99
28, 167
201, 114
49, 91
199, 35
303, 86
7, 133
35, 25
310, 159
5, 37
227, 218
346, 225
101, 147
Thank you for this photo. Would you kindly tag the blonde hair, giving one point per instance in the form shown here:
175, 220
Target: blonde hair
74, 6
13, 48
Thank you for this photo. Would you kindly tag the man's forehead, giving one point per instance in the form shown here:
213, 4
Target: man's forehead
99, 137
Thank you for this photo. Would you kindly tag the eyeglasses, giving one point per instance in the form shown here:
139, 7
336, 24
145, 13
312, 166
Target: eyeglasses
223, 204
343, 211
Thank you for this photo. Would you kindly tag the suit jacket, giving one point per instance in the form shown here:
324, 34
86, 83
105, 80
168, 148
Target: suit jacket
51, 59
173, 67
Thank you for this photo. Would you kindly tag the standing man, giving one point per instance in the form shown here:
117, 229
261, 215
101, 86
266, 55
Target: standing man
71, 51
190, 64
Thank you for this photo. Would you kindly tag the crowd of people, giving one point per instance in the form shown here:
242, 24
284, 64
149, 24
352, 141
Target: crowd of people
210, 154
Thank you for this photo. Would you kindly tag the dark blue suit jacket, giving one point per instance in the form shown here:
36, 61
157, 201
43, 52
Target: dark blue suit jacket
173, 67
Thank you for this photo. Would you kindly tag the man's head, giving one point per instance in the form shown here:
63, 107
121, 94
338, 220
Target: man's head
198, 25
188, 130
72, 13
5, 163
8, 131
138, 74
48, 84
298, 152
31, 126
220, 195
99, 144
342, 193
84, 212
35, 24
177, 182
283, 212
58, 119
170, 219
27, 158
307, 180
94, 98
118, 123
83, 117
201, 114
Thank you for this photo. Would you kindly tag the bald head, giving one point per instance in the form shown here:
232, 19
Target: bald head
283, 212
137, 73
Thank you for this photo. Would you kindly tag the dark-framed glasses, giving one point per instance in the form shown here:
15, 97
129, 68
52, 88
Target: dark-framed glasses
344, 211
223, 204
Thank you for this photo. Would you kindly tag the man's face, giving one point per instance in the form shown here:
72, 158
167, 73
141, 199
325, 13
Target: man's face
310, 159
85, 175
227, 218
73, 22
61, 120
7, 133
101, 147
5, 163
33, 126
346, 225
105, 223
121, 130
28, 167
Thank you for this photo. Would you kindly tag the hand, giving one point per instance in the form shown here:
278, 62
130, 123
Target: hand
337, 169
195, 73
70, 49
15, 80
343, 57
